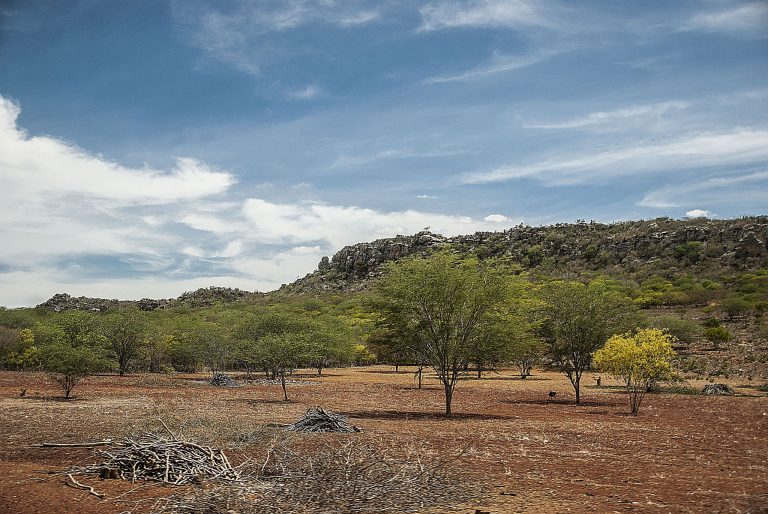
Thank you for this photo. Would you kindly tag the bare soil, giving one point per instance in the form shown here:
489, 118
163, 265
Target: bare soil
522, 451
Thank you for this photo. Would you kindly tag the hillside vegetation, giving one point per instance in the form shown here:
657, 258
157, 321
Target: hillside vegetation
703, 281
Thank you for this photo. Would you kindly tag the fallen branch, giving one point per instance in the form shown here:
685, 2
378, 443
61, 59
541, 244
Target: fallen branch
73, 445
78, 485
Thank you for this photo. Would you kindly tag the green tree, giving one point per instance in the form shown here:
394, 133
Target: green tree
577, 321
126, 332
638, 360
734, 307
23, 354
526, 352
69, 365
330, 342
437, 306
277, 341
72, 348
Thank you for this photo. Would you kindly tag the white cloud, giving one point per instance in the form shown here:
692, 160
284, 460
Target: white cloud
698, 213
336, 226
497, 218
640, 113
306, 93
236, 34
748, 190
482, 13
746, 19
57, 199
425, 197
71, 221
741, 146
34, 165
499, 63
352, 161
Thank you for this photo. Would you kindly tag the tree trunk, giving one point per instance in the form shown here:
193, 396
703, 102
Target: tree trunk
397, 367
419, 372
448, 398
282, 382
578, 392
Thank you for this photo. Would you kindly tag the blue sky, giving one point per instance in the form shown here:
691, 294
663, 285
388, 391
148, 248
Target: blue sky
153, 147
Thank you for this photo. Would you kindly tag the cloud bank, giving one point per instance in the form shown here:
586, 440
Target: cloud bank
75, 221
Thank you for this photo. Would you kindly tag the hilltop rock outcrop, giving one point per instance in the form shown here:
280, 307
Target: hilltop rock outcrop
734, 243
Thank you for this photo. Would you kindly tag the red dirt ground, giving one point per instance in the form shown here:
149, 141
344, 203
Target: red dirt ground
683, 453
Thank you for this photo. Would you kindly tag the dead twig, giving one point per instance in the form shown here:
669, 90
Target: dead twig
78, 485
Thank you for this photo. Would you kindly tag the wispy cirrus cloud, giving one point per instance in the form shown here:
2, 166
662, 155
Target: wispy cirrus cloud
742, 19
352, 161
737, 147
603, 118
498, 63
307, 92
484, 13
746, 189
235, 32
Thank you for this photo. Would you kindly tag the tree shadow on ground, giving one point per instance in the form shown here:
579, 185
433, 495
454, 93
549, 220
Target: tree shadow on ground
312, 375
406, 415
387, 372
416, 388
259, 401
529, 379
561, 401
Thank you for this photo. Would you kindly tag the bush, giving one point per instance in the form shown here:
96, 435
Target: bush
70, 365
734, 307
684, 330
717, 335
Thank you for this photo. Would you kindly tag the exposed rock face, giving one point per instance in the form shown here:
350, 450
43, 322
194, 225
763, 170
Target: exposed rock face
64, 302
363, 259
749, 245
732, 243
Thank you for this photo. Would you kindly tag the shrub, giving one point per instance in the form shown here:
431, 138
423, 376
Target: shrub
69, 365
717, 335
734, 306
684, 330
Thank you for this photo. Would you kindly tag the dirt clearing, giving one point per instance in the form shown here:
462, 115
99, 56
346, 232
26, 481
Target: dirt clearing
507, 448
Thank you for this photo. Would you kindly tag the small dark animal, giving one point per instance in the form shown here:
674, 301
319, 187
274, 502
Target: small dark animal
552, 394
23, 393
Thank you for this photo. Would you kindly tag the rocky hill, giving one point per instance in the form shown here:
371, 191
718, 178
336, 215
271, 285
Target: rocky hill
202, 297
660, 246
657, 246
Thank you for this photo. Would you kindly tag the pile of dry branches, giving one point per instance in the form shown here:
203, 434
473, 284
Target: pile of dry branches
350, 477
172, 461
223, 380
317, 419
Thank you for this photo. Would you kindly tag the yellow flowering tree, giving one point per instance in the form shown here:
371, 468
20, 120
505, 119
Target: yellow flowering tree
638, 359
